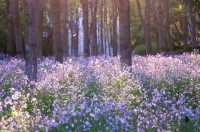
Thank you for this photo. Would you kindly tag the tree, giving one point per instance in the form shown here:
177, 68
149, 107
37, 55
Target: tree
14, 45
31, 44
93, 28
39, 12
58, 45
167, 24
124, 29
84, 4
74, 24
101, 8
114, 36
159, 23
192, 23
147, 32
65, 26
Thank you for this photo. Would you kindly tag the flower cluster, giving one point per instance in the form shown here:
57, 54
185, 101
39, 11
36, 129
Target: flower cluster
94, 94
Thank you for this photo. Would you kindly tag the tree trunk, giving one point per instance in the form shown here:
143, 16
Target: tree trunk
167, 25
39, 12
159, 25
94, 48
114, 27
75, 34
124, 29
192, 24
147, 32
64, 26
84, 4
14, 37
101, 27
31, 46
58, 46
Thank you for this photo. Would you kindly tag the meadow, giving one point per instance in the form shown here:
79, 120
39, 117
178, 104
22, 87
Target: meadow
158, 93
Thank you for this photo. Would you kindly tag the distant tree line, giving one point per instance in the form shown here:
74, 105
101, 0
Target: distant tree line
62, 28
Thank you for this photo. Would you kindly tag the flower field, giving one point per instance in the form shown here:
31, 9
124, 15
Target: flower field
160, 93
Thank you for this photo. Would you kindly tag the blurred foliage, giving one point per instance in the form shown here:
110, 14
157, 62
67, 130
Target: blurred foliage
177, 11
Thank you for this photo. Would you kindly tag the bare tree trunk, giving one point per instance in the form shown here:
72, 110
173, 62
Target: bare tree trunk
185, 28
41, 6
75, 34
101, 27
58, 46
167, 25
64, 26
124, 29
84, 4
94, 48
192, 22
14, 37
114, 27
159, 26
147, 32
31, 46
105, 14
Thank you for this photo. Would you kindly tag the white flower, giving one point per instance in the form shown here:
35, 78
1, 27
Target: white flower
16, 95
8, 101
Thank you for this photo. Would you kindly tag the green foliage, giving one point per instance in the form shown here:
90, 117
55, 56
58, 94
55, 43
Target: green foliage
188, 126
6, 89
185, 125
151, 130
141, 49
30, 106
91, 90
7, 112
44, 102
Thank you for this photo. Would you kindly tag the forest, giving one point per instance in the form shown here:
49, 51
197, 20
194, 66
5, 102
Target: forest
100, 65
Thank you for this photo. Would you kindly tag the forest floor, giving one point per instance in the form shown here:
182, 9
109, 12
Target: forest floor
159, 94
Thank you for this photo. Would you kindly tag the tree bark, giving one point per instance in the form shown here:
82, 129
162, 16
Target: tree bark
31, 46
167, 25
14, 45
64, 26
84, 4
114, 36
147, 32
159, 26
93, 28
101, 27
41, 6
58, 46
75, 34
192, 24
124, 29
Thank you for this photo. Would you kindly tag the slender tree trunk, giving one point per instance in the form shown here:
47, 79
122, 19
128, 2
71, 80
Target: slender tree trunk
64, 26
84, 4
147, 32
167, 25
14, 38
101, 28
192, 22
39, 12
58, 46
31, 46
124, 29
10, 47
75, 34
94, 48
114, 27
185, 28
159, 26
105, 27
